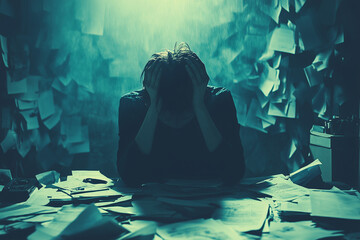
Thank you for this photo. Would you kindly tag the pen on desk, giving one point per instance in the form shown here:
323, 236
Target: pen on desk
94, 181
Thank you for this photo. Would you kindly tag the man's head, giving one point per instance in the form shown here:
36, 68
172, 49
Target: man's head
175, 86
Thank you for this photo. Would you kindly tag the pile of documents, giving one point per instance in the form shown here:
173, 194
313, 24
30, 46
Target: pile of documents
271, 207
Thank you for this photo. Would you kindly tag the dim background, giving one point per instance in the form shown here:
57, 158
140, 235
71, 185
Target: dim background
65, 64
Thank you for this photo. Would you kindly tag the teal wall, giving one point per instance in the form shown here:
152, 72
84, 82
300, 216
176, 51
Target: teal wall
82, 56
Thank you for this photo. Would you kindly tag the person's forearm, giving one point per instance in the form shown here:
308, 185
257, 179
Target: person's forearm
208, 128
145, 136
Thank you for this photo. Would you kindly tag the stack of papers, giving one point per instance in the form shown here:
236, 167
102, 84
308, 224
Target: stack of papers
335, 204
243, 214
298, 230
179, 209
79, 222
197, 229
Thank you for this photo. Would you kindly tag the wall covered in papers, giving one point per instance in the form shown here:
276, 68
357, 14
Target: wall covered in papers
64, 67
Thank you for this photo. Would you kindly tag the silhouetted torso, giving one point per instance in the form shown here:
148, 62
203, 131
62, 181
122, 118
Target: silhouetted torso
180, 152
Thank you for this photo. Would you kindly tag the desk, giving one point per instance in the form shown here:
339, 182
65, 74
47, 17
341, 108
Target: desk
257, 208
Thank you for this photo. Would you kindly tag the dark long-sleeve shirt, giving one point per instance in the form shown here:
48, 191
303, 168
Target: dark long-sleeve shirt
180, 152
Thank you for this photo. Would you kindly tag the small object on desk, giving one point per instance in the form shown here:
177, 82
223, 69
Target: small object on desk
18, 190
94, 181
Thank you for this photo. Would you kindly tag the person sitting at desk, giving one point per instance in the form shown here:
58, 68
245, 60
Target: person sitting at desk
178, 126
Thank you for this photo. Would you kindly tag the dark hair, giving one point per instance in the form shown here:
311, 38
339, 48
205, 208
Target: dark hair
175, 86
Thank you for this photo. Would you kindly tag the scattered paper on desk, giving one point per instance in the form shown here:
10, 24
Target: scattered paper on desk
307, 173
334, 205
299, 231
46, 104
197, 229
283, 189
49, 177
122, 210
114, 202
82, 174
139, 228
24, 209
242, 214
301, 205
97, 194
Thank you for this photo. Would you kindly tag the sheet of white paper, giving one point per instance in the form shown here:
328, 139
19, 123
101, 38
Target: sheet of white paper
334, 205
31, 118
46, 104
16, 87
299, 231
313, 76
272, 9
25, 105
251, 119
283, 189
283, 40
277, 109
242, 214
49, 177
306, 173
32, 91
301, 204
197, 229
54, 119
23, 209
285, 4
82, 174
291, 109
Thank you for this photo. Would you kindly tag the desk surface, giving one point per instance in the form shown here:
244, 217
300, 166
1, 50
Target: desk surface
270, 208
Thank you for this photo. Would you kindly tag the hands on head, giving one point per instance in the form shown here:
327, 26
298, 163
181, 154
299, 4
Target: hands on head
196, 71
151, 83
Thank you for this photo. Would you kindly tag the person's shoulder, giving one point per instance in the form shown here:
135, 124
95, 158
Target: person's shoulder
218, 92
134, 96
